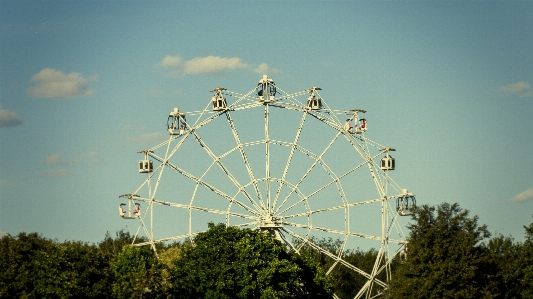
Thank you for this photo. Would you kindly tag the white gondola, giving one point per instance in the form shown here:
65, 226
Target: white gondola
266, 90
176, 123
405, 203
219, 102
387, 162
146, 165
131, 210
357, 128
313, 102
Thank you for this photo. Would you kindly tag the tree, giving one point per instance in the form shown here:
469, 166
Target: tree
526, 264
18, 257
346, 282
111, 247
445, 256
504, 269
35, 267
138, 274
233, 263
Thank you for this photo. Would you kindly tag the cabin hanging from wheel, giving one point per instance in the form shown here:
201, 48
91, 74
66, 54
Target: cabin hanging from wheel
219, 101
405, 203
130, 210
314, 102
176, 123
358, 127
266, 90
146, 165
387, 162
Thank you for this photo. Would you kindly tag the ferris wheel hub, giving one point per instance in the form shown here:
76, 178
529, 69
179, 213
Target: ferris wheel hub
269, 221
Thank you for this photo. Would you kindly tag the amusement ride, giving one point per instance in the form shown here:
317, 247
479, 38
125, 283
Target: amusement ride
283, 163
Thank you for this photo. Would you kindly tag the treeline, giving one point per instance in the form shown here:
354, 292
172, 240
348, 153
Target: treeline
449, 255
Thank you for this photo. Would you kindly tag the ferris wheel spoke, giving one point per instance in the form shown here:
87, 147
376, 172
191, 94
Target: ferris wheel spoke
214, 211
267, 159
289, 159
245, 158
212, 188
315, 246
338, 232
336, 180
317, 160
218, 161
331, 208
168, 239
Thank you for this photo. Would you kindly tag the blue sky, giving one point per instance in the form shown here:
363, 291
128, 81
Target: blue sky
84, 85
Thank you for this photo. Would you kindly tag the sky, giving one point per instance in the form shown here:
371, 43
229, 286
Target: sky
84, 85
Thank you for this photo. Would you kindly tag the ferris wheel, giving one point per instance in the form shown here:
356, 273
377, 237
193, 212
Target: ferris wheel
284, 163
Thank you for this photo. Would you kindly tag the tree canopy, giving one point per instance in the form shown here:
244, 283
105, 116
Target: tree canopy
228, 262
445, 257
448, 256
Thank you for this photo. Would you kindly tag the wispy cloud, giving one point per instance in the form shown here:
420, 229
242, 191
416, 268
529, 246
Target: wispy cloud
56, 173
210, 65
8, 183
8, 118
57, 160
146, 138
54, 84
523, 196
520, 89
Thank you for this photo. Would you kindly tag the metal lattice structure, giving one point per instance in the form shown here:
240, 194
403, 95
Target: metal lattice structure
273, 161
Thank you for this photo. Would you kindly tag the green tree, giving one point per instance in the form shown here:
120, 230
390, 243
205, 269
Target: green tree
18, 258
445, 256
111, 247
35, 267
503, 271
346, 282
525, 263
233, 263
138, 274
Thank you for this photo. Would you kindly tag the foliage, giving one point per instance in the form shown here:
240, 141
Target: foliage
445, 257
346, 282
234, 263
503, 275
526, 264
111, 247
138, 274
34, 267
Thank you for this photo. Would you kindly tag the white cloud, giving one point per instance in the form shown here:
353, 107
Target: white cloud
2, 233
521, 89
11, 183
56, 84
93, 157
526, 195
146, 138
131, 127
58, 160
57, 173
210, 65
8, 119
54, 159
264, 69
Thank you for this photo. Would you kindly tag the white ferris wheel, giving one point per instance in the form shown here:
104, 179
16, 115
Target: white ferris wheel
286, 164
